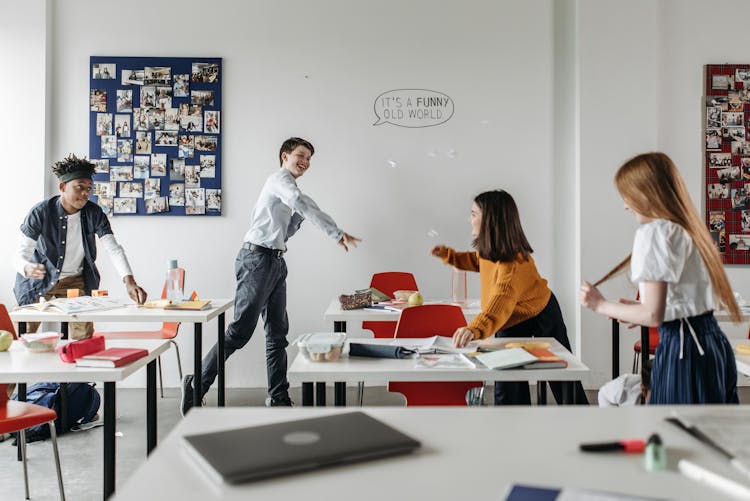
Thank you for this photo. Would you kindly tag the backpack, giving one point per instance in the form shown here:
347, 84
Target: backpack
83, 404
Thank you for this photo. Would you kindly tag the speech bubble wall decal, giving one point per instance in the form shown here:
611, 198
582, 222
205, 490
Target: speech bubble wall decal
413, 108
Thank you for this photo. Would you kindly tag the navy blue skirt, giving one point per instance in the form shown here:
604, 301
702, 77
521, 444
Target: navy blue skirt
710, 378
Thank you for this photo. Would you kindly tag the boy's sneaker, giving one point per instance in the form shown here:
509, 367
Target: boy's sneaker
281, 402
186, 402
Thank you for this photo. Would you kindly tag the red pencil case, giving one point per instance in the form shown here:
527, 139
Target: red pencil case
72, 351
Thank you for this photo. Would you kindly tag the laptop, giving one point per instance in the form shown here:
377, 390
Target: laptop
258, 452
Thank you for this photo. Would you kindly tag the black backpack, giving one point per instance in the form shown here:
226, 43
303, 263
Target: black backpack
83, 404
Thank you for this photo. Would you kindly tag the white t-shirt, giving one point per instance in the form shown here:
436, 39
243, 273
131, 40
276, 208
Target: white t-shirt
664, 252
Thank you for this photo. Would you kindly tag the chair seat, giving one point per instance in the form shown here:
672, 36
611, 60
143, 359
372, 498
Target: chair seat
434, 393
15, 416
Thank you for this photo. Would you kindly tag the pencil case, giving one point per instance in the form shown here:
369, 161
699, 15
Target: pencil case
379, 351
75, 350
355, 301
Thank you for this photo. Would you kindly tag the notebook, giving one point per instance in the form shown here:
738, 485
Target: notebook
111, 357
235, 455
506, 359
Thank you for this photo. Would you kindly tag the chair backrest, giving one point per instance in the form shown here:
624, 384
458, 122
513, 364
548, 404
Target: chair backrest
6, 324
390, 281
430, 320
182, 283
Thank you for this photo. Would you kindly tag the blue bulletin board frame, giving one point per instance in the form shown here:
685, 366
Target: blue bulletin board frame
197, 143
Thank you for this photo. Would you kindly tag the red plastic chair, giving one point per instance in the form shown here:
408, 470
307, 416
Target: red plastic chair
427, 321
386, 283
168, 331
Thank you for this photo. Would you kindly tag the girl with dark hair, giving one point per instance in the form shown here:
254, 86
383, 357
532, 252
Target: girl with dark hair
515, 299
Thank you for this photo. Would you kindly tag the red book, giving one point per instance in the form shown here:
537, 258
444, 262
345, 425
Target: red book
111, 357
545, 359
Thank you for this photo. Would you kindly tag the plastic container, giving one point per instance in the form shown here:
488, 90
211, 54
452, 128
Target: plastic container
174, 291
459, 287
321, 346
40, 341
403, 295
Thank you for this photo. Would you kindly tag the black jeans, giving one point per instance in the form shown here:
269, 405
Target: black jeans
548, 323
260, 290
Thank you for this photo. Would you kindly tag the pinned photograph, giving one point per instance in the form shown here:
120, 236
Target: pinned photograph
121, 173
191, 123
148, 97
166, 138
195, 201
733, 133
124, 205
158, 164
152, 187
722, 82
717, 191
156, 205
103, 124
160, 75
716, 221
125, 101
177, 170
171, 119
142, 142
721, 102
98, 100
192, 176
734, 101
745, 166
109, 147
211, 121
716, 160
729, 174
739, 147
202, 97
205, 72
140, 119
132, 77
732, 118
739, 242
208, 165
103, 71
101, 166
739, 199
206, 143
177, 194
713, 139
163, 97
124, 150
141, 163
713, 117
184, 109
103, 189
105, 202
720, 240
155, 119
186, 146
181, 85
213, 199
745, 220
131, 190
742, 75
122, 125
140, 171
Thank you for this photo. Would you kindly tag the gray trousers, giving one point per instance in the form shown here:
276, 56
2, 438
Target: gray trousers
260, 290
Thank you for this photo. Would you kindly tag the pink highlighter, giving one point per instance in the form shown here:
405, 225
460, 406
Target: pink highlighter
631, 446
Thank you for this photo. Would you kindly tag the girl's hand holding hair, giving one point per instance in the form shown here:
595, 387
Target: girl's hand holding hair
590, 296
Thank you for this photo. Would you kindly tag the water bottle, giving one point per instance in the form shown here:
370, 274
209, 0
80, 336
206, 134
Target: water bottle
459, 288
174, 289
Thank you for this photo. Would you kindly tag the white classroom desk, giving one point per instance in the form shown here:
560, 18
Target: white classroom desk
18, 365
474, 454
132, 313
743, 361
381, 370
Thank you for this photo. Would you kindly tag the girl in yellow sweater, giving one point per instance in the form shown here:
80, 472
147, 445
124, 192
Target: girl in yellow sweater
515, 299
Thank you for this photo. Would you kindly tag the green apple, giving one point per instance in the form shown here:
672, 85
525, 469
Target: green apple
416, 299
6, 338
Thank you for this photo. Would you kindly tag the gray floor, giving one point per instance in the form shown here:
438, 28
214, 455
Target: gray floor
81, 452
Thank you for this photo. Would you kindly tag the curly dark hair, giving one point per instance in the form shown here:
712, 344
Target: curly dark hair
72, 163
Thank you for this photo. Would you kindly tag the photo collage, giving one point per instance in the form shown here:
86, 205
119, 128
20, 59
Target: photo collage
155, 135
727, 159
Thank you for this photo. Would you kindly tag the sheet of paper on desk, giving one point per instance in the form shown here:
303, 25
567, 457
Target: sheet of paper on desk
80, 304
434, 344
453, 361
730, 430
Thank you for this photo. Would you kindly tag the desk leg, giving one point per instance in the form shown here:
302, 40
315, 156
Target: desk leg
645, 348
307, 395
64, 329
320, 394
21, 398
197, 366
541, 392
150, 406
615, 349
339, 394
565, 393
109, 439
339, 326
220, 356
64, 408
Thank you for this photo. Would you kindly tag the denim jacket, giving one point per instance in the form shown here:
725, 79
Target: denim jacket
46, 223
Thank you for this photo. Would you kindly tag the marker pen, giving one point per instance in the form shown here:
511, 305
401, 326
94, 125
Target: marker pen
633, 446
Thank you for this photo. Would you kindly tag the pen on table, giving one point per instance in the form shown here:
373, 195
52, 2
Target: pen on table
704, 476
630, 446
695, 432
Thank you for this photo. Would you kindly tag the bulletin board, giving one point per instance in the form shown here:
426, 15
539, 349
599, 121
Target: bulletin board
727, 159
155, 135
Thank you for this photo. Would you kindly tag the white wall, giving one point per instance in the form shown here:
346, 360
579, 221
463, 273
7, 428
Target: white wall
314, 70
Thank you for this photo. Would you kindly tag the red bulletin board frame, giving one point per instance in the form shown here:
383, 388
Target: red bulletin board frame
727, 159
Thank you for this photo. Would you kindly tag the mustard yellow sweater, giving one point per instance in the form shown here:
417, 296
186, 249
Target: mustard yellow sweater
512, 291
